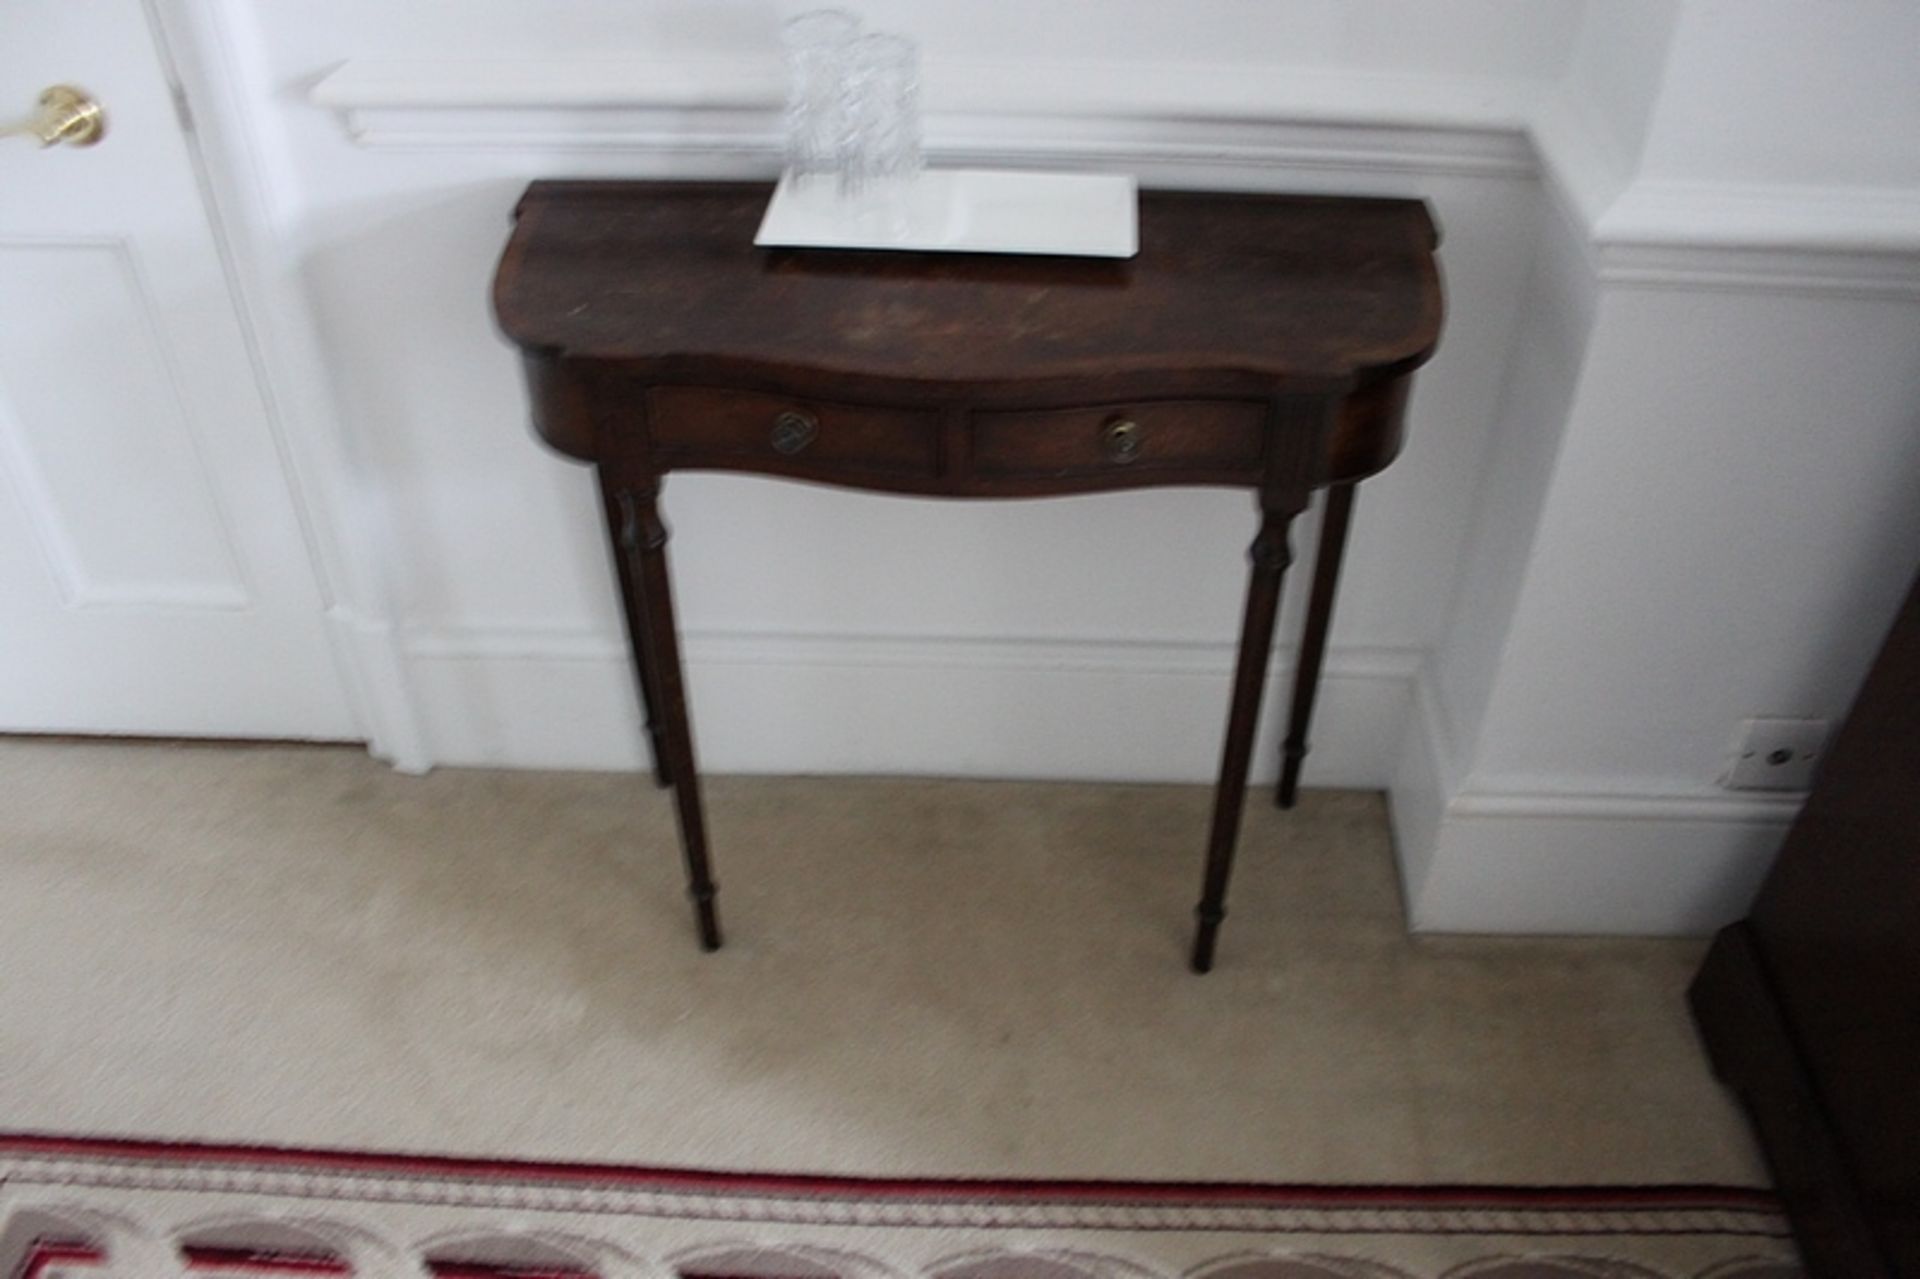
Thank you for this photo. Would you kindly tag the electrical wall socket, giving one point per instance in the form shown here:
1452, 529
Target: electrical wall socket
1776, 754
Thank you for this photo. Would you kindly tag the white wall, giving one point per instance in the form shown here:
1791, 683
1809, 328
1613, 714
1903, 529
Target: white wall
1727, 526
1705, 508
1792, 91
1082, 638
1461, 37
1543, 373
1655, 476
1614, 75
1758, 519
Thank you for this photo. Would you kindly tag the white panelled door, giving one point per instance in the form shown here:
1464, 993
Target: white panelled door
154, 577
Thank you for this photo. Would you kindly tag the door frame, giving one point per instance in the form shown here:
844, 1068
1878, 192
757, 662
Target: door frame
204, 59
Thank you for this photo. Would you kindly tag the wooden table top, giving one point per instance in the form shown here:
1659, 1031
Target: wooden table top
1253, 291
1259, 342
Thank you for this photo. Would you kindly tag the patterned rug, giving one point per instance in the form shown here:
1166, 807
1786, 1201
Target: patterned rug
73, 1208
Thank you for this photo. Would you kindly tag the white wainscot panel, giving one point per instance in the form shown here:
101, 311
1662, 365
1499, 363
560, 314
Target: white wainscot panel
96, 444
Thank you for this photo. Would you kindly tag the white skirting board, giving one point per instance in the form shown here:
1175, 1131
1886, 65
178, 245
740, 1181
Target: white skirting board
1570, 862
935, 707
1471, 862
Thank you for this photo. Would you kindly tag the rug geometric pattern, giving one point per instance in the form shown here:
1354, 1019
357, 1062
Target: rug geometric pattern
89, 1208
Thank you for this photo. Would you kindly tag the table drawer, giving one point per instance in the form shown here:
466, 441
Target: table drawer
697, 425
1212, 437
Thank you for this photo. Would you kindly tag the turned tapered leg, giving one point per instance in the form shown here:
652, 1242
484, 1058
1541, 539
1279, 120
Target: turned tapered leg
624, 516
1270, 557
1313, 642
648, 552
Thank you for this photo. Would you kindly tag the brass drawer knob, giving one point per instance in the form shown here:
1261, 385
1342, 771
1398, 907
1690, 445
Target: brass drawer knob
1121, 439
793, 431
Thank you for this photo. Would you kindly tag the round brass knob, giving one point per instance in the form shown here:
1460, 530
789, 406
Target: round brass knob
64, 114
1121, 439
793, 431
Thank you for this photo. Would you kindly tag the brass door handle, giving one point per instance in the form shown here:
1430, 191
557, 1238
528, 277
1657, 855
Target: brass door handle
65, 114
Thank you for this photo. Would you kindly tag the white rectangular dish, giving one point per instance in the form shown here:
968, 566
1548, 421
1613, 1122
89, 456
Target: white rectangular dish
962, 211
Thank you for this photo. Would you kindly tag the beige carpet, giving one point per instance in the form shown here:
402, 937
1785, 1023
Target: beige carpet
296, 945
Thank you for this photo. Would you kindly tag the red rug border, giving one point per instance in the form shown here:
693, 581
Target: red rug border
255, 1261
350, 1161
42, 1253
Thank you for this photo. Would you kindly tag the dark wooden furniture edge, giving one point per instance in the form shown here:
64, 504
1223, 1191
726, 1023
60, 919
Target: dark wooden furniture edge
1318, 400
1382, 366
1753, 1050
1365, 438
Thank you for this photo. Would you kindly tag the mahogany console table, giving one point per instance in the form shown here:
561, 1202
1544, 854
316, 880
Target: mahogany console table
1258, 342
